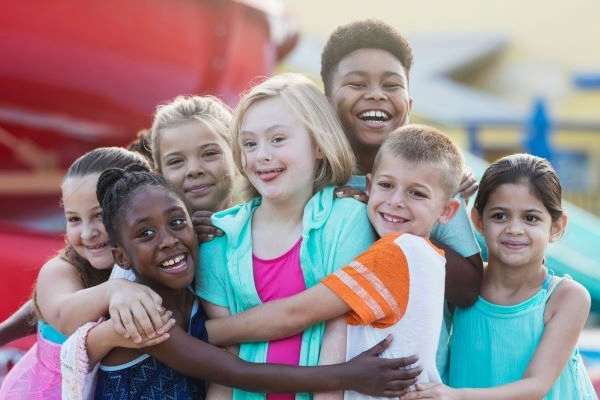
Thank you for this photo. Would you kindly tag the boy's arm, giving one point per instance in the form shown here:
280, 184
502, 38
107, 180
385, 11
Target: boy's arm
361, 288
278, 319
18, 325
464, 267
366, 373
333, 351
463, 276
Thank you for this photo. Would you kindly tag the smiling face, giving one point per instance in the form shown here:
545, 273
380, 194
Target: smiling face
369, 91
156, 238
516, 226
199, 162
85, 230
278, 155
407, 197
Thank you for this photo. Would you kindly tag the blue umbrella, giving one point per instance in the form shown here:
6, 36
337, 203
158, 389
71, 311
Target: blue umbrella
537, 131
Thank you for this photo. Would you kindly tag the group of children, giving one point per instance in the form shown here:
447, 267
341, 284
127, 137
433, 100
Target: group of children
298, 273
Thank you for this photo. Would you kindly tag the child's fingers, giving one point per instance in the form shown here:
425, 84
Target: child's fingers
201, 215
404, 363
147, 318
123, 322
155, 299
126, 319
157, 340
468, 184
348, 191
206, 233
205, 229
119, 327
399, 392
469, 189
166, 320
380, 347
147, 313
162, 337
411, 396
203, 226
404, 377
424, 391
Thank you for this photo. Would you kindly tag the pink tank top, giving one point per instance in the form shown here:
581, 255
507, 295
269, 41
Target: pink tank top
274, 279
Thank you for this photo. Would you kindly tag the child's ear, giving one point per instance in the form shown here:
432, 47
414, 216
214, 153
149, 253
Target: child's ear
449, 211
477, 221
368, 184
558, 228
121, 257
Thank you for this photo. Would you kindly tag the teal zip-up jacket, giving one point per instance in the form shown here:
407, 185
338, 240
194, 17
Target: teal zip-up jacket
335, 231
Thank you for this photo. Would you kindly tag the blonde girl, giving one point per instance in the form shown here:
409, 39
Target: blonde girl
291, 149
191, 147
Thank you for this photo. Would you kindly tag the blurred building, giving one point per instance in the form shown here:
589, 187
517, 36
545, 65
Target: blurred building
500, 77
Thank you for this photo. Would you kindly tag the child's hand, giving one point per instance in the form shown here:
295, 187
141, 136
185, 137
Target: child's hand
376, 376
468, 184
168, 324
430, 391
136, 310
203, 226
349, 191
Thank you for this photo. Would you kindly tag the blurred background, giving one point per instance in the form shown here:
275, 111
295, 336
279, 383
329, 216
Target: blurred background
501, 77
498, 77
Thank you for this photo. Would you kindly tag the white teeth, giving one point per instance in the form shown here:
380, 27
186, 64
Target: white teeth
173, 261
98, 246
390, 218
375, 114
271, 171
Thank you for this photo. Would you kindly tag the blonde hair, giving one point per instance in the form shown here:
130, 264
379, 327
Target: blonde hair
206, 109
422, 144
313, 110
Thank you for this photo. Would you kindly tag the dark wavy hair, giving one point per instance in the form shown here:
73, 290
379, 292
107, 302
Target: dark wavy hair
363, 34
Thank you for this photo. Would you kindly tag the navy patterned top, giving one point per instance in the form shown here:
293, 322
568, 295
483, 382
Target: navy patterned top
146, 378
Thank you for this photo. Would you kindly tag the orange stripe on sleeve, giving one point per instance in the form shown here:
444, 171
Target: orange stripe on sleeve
375, 285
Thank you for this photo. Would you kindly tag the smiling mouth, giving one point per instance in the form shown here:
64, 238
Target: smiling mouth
374, 116
514, 245
268, 175
199, 188
98, 246
269, 171
174, 263
393, 219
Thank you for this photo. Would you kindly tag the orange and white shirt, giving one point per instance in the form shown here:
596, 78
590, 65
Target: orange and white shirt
396, 286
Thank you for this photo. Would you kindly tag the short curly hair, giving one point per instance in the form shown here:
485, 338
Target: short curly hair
363, 34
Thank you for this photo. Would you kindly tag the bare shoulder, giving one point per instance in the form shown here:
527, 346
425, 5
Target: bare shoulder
56, 269
569, 297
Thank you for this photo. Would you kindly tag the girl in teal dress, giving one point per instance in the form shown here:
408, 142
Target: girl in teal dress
519, 339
